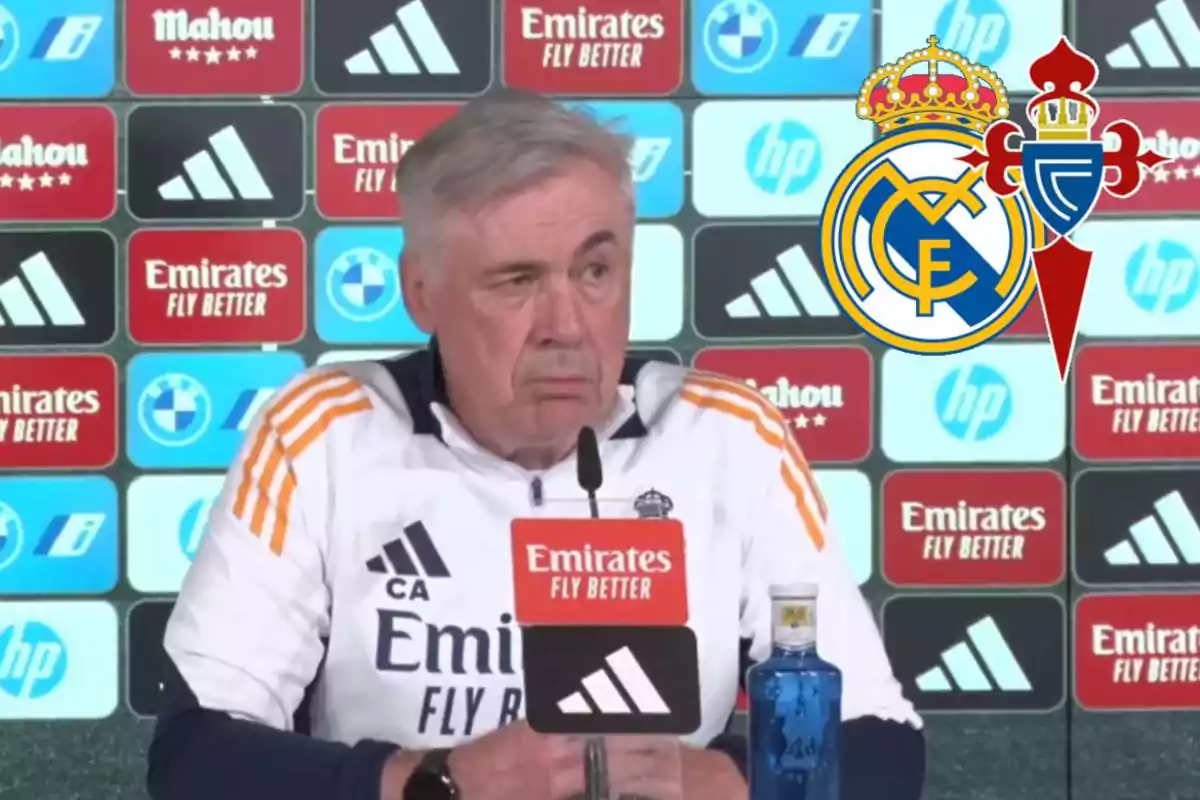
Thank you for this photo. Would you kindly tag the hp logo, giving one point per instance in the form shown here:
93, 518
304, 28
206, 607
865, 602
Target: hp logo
979, 29
974, 403
1162, 278
783, 158
33, 660
193, 525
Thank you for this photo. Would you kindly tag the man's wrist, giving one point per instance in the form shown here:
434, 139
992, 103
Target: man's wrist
711, 775
396, 772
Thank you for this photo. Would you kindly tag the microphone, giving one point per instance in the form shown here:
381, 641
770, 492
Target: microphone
591, 476
587, 466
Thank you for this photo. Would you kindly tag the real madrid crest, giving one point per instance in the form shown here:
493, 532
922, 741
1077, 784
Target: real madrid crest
917, 249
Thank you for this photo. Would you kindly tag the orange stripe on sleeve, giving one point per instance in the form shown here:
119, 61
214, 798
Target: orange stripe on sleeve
812, 526
769, 436
335, 397
283, 506
794, 467
800, 464
281, 401
283, 511
717, 383
306, 413
256, 450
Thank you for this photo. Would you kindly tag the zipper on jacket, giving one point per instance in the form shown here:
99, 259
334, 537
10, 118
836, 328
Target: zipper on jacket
535, 491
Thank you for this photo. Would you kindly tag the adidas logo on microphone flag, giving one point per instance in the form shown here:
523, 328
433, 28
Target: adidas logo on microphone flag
604, 691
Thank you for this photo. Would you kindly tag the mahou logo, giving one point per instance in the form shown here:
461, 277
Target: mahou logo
239, 286
1137, 403
823, 392
974, 528
1171, 128
1137, 652
197, 47
606, 47
58, 412
57, 163
358, 148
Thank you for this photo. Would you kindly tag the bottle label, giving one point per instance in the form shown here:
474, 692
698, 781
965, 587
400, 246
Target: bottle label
794, 623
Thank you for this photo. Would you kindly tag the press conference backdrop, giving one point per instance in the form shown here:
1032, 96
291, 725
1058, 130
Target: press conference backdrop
196, 203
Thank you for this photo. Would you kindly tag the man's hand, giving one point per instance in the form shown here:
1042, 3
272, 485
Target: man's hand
643, 768
514, 763
503, 765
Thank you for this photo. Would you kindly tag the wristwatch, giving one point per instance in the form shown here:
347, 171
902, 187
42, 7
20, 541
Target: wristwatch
431, 779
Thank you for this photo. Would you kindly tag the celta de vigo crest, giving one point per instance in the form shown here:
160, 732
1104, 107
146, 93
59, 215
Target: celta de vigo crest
1063, 171
917, 249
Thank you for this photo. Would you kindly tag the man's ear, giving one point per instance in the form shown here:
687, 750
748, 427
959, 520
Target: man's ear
414, 286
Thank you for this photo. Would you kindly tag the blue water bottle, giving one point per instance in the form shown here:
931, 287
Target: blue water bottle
795, 705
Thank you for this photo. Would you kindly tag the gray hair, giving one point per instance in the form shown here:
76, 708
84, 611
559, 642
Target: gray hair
496, 146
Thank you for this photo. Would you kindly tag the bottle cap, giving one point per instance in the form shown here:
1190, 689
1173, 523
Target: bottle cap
793, 591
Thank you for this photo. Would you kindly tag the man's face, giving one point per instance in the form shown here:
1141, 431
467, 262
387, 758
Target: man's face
529, 300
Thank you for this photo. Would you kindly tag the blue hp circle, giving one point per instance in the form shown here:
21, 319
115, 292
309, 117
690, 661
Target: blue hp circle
740, 36
33, 660
174, 410
1162, 277
974, 403
10, 39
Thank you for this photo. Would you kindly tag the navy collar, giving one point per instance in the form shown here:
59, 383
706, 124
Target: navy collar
422, 383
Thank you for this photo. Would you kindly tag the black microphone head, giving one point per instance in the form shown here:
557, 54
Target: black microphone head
587, 460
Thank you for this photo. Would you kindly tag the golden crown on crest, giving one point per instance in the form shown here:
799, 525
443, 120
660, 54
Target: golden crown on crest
967, 95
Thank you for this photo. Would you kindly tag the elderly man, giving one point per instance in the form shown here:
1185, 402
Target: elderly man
519, 218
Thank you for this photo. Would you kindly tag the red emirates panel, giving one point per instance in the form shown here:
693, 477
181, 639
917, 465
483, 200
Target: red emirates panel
949, 528
217, 286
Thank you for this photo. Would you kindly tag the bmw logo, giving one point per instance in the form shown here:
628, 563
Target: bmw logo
740, 36
363, 284
174, 410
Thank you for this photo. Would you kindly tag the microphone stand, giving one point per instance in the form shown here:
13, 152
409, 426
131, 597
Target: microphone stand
595, 754
595, 766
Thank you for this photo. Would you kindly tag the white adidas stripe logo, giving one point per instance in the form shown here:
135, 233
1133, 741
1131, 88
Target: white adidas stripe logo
1150, 39
396, 57
600, 695
206, 179
1150, 543
770, 290
968, 673
17, 306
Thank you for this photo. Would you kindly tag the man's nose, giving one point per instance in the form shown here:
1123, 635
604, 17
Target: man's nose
558, 317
